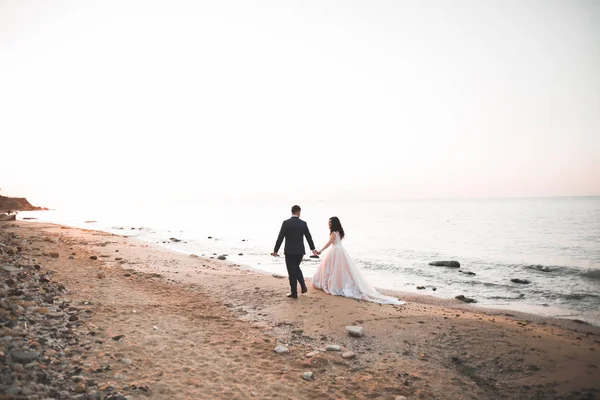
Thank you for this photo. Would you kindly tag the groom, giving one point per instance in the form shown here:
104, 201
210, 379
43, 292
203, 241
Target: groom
293, 231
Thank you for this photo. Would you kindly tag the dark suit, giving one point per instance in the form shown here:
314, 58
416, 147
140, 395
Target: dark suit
293, 231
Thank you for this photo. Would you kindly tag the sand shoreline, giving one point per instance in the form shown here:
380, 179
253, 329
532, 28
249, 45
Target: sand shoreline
524, 311
232, 318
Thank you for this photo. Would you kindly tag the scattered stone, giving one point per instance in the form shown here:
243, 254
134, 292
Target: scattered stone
193, 256
10, 269
54, 254
18, 367
93, 257
333, 347
467, 272
281, 350
126, 361
174, 240
457, 360
520, 281
313, 353
101, 275
356, 331
73, 318
348, 355
13, 391
420, 287
449, 264
118, 338
400, 398
308, 376
240, 254
24, 357
80, 387
465, 299
222, 258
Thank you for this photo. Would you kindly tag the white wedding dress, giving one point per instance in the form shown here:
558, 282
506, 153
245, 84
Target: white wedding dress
339, 276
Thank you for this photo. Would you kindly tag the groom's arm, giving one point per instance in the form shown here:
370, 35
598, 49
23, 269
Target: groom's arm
308, 237
280, 238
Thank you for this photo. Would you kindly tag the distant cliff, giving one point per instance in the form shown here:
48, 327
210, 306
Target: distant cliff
17, 204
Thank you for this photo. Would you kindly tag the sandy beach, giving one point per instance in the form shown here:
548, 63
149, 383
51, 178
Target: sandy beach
174, 326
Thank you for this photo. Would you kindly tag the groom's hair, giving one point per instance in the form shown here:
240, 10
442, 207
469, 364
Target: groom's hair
296, 210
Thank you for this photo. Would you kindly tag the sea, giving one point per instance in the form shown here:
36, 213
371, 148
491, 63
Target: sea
554, 243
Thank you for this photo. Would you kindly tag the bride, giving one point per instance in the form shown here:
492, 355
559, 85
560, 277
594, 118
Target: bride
338, 274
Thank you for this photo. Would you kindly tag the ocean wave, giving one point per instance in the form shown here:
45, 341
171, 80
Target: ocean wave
542, 268
519, 297
581, 296
592, 274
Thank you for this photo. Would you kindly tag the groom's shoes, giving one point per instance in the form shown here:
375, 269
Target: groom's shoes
304, 290
292, 296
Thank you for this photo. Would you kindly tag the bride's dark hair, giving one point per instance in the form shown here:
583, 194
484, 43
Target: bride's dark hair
336, 226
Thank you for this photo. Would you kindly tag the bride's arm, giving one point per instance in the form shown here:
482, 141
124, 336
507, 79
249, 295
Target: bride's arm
331, 240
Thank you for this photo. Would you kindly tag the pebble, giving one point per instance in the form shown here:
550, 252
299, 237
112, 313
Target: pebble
281, 349
24, 356
80, 388
18, 367
308, 376
400, 398
313, 353
32, 365
101, 275
465, 299
13, 391
348, 355
356, 331
333, 347
126, 361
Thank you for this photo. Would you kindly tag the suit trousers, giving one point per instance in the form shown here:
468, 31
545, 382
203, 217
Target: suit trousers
292, 262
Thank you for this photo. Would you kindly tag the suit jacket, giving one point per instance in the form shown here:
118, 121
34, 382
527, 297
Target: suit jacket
293, 231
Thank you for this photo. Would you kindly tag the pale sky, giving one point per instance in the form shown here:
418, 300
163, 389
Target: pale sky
298, 100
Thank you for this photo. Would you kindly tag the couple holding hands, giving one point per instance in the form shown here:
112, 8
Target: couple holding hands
337, 274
